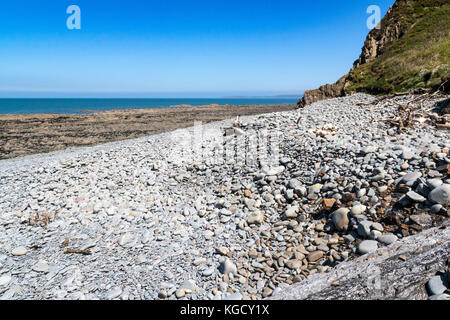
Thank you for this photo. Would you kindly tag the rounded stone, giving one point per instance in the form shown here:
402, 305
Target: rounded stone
340, 219
358, 209
227, 267
349, 238
361, 193
294, 264
436, 208
291, 212
315, 256
437, 285
328, 204
367, 246
387, 239
441, 195
415, 196
234, 296
407, 154
315, 188
125, 239
267, 292
377, 226
368, 149
255, 217
180, 293
41, 266
208, 234
189, 286
411, 177
434, 183
208, 272
4, 280
375, 234
223, 251
364, 228
19, 251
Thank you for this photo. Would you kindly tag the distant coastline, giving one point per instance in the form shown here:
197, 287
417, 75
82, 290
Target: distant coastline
281, 96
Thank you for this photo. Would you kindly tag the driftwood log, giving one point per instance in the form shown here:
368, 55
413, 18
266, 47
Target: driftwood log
399, 271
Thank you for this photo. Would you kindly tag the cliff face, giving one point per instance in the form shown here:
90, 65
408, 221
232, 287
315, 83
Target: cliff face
409, 50
391, 29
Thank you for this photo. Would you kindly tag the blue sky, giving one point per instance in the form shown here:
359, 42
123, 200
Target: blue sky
178, 48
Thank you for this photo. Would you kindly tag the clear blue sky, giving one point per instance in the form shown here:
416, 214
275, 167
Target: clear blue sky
185, 48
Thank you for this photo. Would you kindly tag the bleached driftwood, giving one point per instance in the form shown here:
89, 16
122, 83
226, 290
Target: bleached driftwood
399, 271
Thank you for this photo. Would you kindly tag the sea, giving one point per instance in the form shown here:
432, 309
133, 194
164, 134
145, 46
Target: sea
77, 106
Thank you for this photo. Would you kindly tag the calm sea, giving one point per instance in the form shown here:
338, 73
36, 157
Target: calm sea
65, 106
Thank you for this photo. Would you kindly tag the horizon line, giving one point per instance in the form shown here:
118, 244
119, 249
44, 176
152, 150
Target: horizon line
135, 95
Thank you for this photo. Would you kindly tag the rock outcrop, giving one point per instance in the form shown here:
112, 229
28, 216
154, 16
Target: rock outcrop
327, 91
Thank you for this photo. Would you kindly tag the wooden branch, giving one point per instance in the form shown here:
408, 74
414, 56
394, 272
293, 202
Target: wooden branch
76, 251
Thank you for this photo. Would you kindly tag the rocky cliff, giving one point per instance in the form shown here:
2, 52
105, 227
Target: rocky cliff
390, 29
410, 49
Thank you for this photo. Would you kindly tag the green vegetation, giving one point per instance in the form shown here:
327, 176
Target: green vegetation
419, 59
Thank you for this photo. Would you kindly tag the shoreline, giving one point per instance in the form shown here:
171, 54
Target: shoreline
178, 106
27, 134
76, 106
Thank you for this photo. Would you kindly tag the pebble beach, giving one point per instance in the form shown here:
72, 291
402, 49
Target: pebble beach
243, 217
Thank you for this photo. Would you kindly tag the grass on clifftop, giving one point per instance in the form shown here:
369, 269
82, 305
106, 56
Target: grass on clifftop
419, 59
